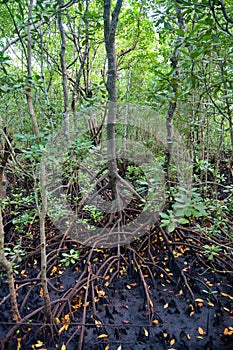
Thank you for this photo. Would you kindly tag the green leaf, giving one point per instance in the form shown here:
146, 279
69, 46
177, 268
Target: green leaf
180, 32
165, 216
183, 221
171, 227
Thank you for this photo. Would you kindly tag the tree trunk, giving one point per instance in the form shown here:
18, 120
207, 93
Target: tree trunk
29, 68
173, 103
3, 260
64, 72
42, 215
110, 27
9, 271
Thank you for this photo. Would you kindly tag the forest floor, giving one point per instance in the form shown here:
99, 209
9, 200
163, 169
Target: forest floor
176, 301
160, 292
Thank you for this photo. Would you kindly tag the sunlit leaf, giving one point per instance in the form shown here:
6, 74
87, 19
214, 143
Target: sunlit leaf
155, 321
19, 343
210, 304
226, 309
227, 295
38, 344
199, 300
54, 269
172, 341
61, 329
102, 336
201, 331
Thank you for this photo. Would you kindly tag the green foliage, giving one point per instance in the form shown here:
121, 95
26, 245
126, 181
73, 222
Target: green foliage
211, 251
70, 258
15, 255
94, 212
188, 204
169, 220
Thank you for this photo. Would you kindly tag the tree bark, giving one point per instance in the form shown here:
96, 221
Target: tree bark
110, 26
173, 103
10, 276
3, 260
42, 215
64, 71
29, 68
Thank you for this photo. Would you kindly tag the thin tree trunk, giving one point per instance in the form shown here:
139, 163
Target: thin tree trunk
64, 72
85, 57
10, 276
29, 68
173, 103
42, 211
42, 214
110, 27
3, 260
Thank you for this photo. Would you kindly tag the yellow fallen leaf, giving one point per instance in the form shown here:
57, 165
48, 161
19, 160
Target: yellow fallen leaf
172, 341
188, 336
63, 347
210, 304
165, 335
151, 303
39, 344
155, 321
199, 300
227, 295
106, 347
119, 347
166, 306
224, 294
201, 331
61, 329
54, 269
226, 309
102, 336
146, 332
18, 343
